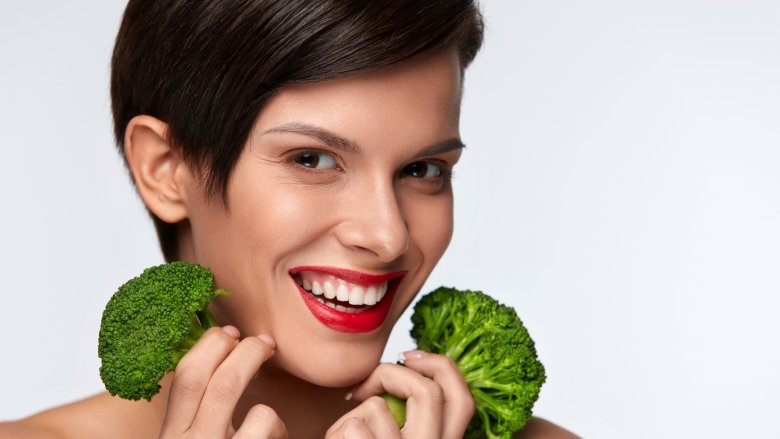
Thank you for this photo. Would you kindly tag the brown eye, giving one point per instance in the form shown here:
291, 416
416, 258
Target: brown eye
424, 170
315, 160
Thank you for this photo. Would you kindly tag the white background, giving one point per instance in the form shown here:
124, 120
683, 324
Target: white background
621, 189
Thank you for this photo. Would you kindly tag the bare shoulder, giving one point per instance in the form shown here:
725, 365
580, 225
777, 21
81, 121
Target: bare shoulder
23, 430
538, 428
98, 416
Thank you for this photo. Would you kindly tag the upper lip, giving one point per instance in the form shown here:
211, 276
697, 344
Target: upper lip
351, 276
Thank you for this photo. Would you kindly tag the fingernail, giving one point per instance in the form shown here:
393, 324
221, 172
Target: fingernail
411, 355
348, 396
267, 339
231, 331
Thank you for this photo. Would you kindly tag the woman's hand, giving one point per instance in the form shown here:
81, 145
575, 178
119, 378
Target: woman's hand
208, 383
438, 402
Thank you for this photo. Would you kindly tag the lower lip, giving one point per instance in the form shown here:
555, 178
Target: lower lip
364, 321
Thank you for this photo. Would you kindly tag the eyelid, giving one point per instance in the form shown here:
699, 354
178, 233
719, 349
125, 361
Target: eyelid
447, 159
291, 155
445, 170
444, 165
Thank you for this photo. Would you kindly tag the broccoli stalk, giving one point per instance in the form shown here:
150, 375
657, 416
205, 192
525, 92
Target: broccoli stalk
150, 323
492, 349
200, 322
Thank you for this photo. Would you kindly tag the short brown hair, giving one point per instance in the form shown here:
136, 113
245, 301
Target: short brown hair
207, 67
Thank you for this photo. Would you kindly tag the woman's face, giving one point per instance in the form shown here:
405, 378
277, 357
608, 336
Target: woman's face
342, 189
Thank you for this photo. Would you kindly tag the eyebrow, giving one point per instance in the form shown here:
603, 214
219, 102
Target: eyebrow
442, 147
338, 142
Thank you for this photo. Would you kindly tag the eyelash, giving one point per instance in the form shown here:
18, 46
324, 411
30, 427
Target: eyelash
298, 156
444, 172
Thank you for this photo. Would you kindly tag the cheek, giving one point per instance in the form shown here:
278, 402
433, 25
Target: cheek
269, 216
430, 224
247, 246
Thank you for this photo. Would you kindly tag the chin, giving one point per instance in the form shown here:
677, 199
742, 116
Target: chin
340, 379
344, 368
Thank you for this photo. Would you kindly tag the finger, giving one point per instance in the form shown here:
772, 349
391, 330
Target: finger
192, 376
424, 398
372, 416
458, 402
228, 382
351, 428
261, 422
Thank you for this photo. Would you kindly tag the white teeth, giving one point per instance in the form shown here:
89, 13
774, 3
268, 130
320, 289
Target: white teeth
342, 293
330, 292
356, 296
370, 297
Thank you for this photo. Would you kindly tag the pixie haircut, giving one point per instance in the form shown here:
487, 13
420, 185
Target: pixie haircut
207, 67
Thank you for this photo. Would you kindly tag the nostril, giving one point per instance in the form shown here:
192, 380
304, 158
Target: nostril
393, 245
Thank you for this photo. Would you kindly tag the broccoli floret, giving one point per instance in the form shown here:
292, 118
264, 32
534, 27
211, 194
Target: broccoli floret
491, 347
150, 323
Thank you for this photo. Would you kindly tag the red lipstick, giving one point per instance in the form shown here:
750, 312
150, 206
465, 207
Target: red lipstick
365, 320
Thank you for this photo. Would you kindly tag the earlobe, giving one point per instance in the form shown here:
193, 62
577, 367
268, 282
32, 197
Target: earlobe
157, 168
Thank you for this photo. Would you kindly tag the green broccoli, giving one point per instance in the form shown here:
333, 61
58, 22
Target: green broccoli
150, 323
491, 347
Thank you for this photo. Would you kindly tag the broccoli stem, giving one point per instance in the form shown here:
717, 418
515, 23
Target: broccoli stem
459, 342
206, 318
397, 408
200, 322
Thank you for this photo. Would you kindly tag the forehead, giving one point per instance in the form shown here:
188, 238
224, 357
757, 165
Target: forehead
421, 95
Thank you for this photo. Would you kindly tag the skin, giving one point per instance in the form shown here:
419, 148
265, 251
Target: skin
361, 207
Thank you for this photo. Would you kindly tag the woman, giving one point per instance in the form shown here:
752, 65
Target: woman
302, 151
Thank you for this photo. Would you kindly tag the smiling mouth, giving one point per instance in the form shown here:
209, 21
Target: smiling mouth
346, 300
339, 294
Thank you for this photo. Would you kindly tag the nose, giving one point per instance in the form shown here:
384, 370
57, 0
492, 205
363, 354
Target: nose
372, 221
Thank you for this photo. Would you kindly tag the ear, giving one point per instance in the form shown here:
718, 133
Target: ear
159, 171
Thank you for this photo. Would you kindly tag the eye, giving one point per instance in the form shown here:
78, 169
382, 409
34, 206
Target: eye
423, 170
315, 160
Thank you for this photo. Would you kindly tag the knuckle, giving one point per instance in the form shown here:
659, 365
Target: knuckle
352, 426
226, 385
385, 368
375, 404
262, 413
431, 391
186, 380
